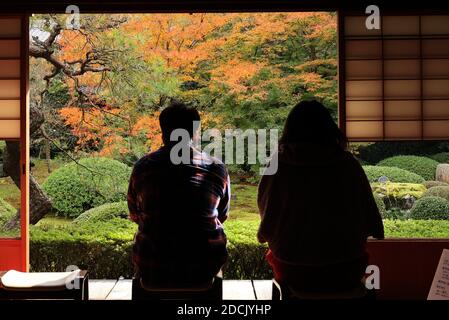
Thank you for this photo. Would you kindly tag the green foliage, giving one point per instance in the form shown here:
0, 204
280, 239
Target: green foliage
374, 152
105, 248
396, 214
416, 229
430, 208
75, 188
423, 166
442, 157
380, 204
399, 190
7, 212
439, 191
430, 184
104, 213
394, 174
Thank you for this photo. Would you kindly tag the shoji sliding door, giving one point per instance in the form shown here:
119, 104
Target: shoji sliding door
13, 142
395, 80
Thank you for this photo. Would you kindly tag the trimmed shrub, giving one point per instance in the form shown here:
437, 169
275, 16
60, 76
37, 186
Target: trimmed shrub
76, 188
423, 166
430, 208
104, 213
441, 191
7, 212
399, 190
431, 184
105, 249
394, 174
374, 152
400, 196
442, 157
416, 229
380, 205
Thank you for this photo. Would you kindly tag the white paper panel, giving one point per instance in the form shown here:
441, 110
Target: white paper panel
402, 129
400, 25
436, 68
364, 129
402, 69
364, 90
355, 26
9, 89
402, 89
435, 25
436, 89
436, 129
403, 110
435, 48
364, 69
9, 109
363, 49
401, 48
364, 110
9, 28
9, 48
9, 69
9, 129
436, 109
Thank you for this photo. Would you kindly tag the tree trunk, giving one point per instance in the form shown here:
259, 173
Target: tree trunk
40, 204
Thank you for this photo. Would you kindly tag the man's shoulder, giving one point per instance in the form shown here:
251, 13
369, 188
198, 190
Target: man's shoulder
150, 159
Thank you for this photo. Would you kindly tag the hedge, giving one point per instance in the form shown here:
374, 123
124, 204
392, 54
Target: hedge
423, 166
439, 191
75, 188
105, 249
442, 157
393, 174
430, 208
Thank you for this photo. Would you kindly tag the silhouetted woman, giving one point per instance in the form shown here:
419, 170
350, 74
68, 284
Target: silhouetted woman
318, 209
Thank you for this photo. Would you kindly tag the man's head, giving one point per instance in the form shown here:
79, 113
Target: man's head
177, 116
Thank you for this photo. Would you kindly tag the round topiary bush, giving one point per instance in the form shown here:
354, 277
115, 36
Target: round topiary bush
439, 191
442, 157
104, 213
423, 166
430, 208
393, 174
431, 184
75, 188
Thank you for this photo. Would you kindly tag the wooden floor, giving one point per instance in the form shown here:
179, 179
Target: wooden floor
232, 289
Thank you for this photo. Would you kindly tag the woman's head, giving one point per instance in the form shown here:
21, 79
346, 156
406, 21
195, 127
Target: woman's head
310, 121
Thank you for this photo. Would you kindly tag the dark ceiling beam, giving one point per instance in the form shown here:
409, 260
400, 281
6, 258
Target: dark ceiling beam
120, 6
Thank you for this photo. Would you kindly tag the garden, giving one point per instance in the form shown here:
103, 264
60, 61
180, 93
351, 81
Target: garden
96, 94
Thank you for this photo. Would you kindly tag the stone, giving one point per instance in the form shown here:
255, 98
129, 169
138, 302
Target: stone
442, 173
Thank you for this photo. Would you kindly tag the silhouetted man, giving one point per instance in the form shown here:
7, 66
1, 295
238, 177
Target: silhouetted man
179, 208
